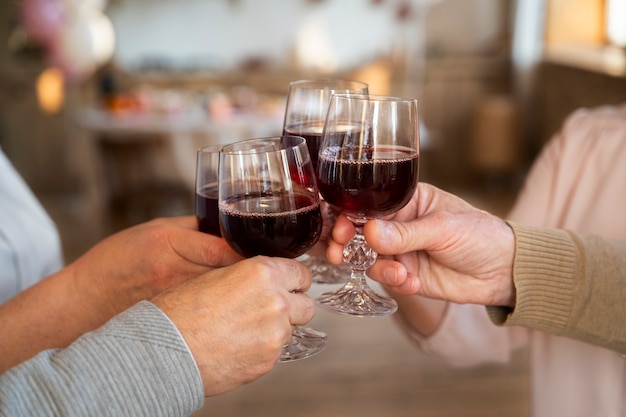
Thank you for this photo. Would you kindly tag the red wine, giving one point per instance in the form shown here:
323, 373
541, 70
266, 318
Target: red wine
207, 211
312, 133
368, 182
285, 225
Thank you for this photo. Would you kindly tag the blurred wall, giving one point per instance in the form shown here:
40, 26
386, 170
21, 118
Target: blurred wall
447, 54
343, 34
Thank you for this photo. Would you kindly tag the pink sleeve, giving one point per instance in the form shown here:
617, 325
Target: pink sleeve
577, 182
534, 199
467, 337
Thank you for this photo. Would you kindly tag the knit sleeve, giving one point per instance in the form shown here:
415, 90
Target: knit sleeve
137, 364
569, 285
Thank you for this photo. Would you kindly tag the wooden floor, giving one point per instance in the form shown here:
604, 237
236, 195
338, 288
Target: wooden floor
369, 368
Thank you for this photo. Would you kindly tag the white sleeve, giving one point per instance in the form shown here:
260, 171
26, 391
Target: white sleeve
30, 246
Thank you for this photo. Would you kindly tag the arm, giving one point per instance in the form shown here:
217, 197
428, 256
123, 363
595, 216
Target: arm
443, 248
99, 374
160, 358
569, 285
132, 265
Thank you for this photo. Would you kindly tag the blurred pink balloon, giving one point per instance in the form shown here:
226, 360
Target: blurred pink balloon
82, 44
43, 19
72, 51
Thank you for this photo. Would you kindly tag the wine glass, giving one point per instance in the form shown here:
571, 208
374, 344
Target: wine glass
269, 205
207, 162
305, 113
368, 167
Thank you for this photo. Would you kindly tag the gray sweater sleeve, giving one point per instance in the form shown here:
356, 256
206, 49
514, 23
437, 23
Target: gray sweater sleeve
137, 364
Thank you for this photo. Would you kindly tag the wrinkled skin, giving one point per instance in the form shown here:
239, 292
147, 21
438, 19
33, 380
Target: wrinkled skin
440, 247
236, 319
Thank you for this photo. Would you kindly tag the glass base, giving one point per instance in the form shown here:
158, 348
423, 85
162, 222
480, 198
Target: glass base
324, 272
357, 300
305, 342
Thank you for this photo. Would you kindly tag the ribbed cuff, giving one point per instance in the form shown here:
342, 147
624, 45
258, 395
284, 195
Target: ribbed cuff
543, 274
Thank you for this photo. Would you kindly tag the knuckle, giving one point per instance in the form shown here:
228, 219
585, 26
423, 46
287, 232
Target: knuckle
403, 232
309, 308
301, 273
264, 268
278, 305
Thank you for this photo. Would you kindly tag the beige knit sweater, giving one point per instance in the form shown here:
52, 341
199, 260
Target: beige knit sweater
569, 285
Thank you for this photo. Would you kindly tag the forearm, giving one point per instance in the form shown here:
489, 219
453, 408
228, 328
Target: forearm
420, 314
569, 285
137, 364
51, 314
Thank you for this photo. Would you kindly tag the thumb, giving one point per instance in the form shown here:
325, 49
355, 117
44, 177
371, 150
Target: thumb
388, 237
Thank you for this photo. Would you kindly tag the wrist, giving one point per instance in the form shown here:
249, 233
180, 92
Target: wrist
507, 290
93, 294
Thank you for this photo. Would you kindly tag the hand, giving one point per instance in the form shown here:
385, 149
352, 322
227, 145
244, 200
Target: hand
441, 247
139, 262
131, 265
235, 320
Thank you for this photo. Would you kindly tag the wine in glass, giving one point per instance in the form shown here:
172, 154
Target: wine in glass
368, 167
269, 205
207, 163
305, 113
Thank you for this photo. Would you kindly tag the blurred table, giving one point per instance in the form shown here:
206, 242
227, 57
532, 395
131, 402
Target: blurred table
147, 160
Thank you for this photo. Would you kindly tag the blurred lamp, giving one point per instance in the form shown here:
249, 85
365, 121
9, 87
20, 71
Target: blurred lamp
50, 90
314, 47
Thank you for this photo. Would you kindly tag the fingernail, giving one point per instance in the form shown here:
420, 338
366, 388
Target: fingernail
390, 275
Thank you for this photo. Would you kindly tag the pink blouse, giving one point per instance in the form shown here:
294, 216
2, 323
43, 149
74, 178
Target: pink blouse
578, 183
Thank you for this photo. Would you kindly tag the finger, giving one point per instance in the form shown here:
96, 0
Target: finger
302, 275
295, 277
296, 280
185, 222
388, 272
301, 308
392, 237
334, 252
410, 286
395, 277
203, 249
343, 230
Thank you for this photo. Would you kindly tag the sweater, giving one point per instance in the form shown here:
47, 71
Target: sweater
557, 287
136, 365
570, 283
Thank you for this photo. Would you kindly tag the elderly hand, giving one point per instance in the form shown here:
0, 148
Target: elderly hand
139, 262
438, 246
235, 320
131, 265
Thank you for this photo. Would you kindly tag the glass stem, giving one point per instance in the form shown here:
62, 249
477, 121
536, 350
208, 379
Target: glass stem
356, 298
359, 255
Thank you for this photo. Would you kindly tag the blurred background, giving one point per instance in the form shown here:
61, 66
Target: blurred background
104, 103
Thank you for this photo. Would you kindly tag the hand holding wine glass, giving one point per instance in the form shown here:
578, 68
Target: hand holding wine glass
368, 167
305, 113
269, 205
